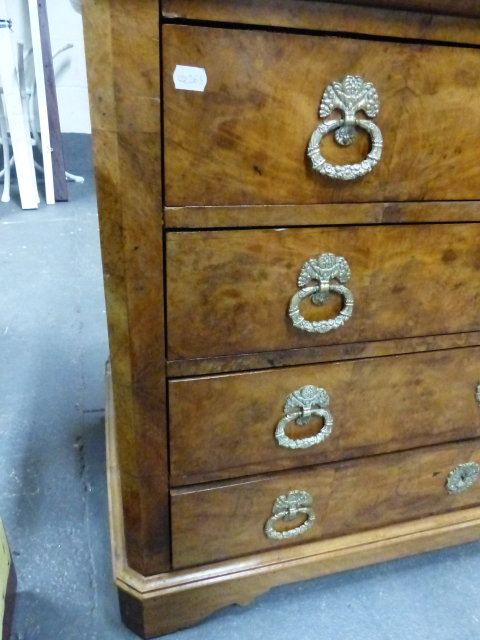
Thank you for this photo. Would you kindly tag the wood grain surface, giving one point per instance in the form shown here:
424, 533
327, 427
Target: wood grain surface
468, 8
224, 427
373, 18
223, 521
243, 142
320, 214
329, 353
168, 608
161, 604
229, 291
125, 110
244, 139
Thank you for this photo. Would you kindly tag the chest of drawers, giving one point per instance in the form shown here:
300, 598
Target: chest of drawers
292, 295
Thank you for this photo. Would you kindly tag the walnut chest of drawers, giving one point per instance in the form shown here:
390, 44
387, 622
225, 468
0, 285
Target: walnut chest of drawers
289, 221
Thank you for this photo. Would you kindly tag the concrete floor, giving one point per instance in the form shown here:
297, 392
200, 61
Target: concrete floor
53, 346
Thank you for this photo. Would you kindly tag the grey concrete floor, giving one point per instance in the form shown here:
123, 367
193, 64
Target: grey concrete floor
53, 346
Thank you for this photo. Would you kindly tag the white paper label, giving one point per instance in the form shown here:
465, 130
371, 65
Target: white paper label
189, 78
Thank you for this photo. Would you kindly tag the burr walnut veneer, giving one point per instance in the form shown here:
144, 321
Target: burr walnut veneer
292, 294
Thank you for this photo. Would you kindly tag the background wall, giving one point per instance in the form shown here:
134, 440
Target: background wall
66, 26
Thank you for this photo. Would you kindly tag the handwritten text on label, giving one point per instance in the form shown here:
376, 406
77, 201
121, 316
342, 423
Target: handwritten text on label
189, 78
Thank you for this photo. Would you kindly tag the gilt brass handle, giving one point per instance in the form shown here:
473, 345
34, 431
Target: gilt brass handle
322, 269
301, 405
350, 95
463, 477
287, 508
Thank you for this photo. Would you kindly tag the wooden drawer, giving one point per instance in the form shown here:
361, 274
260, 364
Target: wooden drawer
217, 522
229, 291
244, 139
225, 426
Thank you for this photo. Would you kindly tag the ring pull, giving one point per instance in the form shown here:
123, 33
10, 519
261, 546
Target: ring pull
323, 269
463, 477
300, 406
350, 95
287, 508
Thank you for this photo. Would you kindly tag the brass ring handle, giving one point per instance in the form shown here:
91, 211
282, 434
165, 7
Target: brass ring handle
287, 508
350, 95
300, 406
322, 269
463, 477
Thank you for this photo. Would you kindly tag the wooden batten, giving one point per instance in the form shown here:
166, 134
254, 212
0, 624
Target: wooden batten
56, 159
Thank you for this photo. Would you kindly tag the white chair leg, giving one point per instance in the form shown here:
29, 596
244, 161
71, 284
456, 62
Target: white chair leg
6, 154
12, 162
69, 176
73, 178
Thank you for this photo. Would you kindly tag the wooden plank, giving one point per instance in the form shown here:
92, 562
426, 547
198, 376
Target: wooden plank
57, 159
42, 101
320, 214
124, 86
229, 291
401, 487
329, 353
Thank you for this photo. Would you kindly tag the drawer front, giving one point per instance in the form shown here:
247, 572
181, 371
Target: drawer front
229, 292
235, 425
219, 522
244, 139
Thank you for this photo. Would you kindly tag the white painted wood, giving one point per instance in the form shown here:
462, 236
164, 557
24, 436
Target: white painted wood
24, 98
42, 101
6, 153
18, 13
21, 144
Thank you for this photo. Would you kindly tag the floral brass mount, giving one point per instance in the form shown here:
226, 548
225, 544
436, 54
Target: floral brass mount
287, 508
350, 95
323, 269
300, 406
